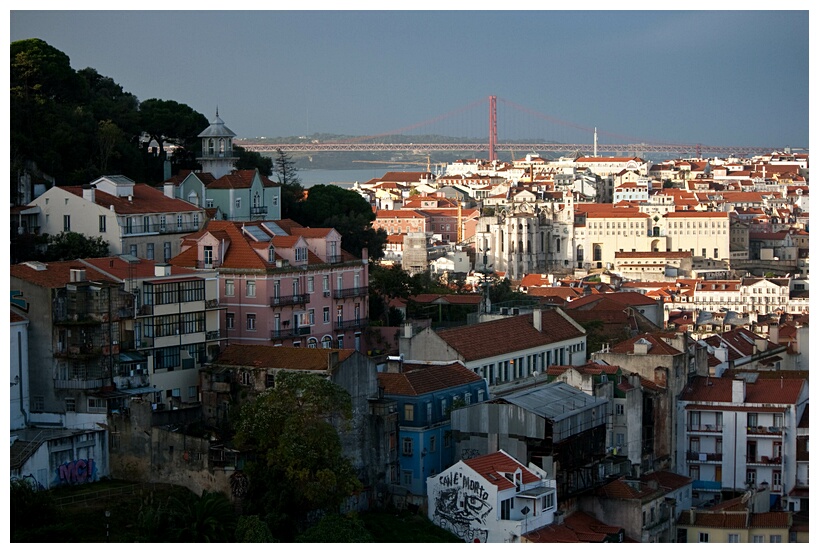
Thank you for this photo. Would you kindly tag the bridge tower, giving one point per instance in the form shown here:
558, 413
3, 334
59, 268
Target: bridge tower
493, 127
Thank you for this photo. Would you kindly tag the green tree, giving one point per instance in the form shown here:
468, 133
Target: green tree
347, 212
73, 245
335, 528
252, 529
209, 518
253, 160
292, 191
302, 467
29, 507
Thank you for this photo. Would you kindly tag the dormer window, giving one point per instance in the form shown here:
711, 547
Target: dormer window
271, 254
301, 254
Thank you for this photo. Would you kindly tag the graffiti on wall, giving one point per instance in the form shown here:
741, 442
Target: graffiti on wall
461, 506
79, 471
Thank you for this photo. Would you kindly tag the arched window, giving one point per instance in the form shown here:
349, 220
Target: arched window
327, 342
312, 343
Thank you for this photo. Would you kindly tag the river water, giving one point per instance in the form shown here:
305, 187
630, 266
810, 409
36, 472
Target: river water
341, 177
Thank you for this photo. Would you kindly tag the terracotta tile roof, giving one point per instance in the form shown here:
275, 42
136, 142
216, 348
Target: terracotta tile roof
667, 480
739, 341
399, 214
17, 318
621, 299
696, 214
121, 269
619, 489
641, 255
508, 335
719, 390
493, 465
271, 357
657, 346
239, 179
713, 520
578, 527
448, 299
405, 176
146, 199
770, 520
56, 275
420, 379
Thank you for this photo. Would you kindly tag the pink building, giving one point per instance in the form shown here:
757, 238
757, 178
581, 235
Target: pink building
283, 284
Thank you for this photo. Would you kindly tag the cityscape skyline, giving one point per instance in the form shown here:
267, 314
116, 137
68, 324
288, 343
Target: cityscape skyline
711, 77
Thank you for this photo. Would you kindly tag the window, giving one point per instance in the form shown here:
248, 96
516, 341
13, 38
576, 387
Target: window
250, 289
406, 446
480, 396
133, 250
703, 537
310, 285
758, 539
548, 502
619, 409
208, 256
506, 508
326, 314
230, 321
311, 315
393, 441
209, 202
149, 250
67, 223
167, 251
409, 412
238, 203
37, 403
70, 405
407, 477
326, 283
733, 538
341, 342
192, 393
102, 223
251, 321
775, 538
229, 287
432, 444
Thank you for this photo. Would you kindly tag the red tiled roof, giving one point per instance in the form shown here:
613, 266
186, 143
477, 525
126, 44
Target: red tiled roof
419, 379
121, 269
493, 465
666, 479
271, 357
17, 318
619, 489
56, 275
657, 347
623, 299
238, 179
507, 335
709, 389
145, 199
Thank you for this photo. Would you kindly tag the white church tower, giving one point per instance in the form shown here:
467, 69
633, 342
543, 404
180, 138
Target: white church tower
217, 149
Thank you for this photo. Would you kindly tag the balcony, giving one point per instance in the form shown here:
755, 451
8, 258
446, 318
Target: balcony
350, 293
79, 384
289, 332
258, 211
764, 431
705, 428
346, 325
214, 334
702, 457
763, 460
212, 264
130, 230
146, 309
296, 299
334, 259
211, 304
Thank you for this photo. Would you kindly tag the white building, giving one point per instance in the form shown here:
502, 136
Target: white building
18, 372
491, 499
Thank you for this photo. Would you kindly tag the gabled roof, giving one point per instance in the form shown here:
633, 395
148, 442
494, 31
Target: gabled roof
656, 345
509, 334
493, 466
145, 199
420, 379
55, 274
272, 357
782, 391
623, 299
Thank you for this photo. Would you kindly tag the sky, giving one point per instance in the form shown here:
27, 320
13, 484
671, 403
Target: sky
711, 77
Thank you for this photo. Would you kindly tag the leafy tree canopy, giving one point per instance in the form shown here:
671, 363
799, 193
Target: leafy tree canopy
73, 245
303, 466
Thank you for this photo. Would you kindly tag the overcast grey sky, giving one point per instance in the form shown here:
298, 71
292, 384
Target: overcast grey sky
713, 77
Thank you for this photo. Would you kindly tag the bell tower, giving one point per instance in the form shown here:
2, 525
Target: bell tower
217, 148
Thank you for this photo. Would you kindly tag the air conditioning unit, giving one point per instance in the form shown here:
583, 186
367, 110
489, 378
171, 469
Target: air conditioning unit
326, 293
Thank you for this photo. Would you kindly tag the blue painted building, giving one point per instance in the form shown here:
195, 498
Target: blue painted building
426, 393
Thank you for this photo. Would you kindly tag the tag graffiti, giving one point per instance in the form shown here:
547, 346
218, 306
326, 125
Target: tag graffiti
461, 506
459, 480
77, 472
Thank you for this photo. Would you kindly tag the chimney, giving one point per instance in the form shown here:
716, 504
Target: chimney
168, 189
88, 193
773, 333
738, 391
760, 344
641, 348
162, 269
332, 361
407, 330
537, 319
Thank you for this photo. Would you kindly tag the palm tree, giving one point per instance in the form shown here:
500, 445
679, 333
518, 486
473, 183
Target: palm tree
210, 518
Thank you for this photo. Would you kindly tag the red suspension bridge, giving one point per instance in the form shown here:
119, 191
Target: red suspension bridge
381, 142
